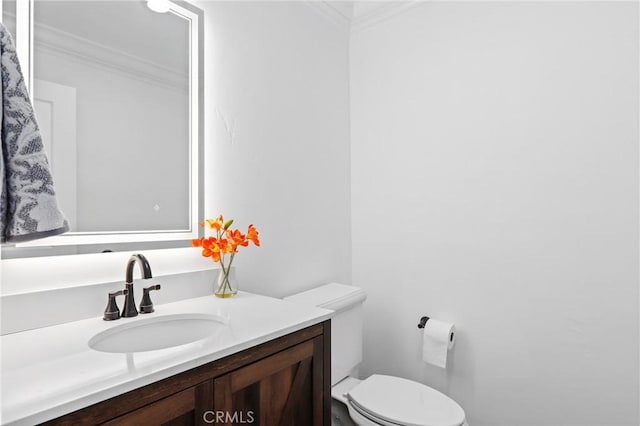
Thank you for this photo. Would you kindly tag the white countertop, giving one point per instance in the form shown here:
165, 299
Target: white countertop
49, 372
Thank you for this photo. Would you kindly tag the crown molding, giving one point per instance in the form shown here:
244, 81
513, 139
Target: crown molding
385, 11
342, 13
60, 42
333, 13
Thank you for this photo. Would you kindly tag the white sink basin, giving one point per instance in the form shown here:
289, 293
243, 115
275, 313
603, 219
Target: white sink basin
155, 333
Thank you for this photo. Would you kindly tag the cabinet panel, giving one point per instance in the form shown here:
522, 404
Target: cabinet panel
277, 390
184, 408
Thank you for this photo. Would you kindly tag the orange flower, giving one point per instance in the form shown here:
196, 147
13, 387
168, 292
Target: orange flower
237, 239
252, 234
215, 224
226, 241
205, 243
225, 246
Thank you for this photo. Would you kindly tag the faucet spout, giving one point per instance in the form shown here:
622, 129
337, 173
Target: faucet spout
129, 309
143, 263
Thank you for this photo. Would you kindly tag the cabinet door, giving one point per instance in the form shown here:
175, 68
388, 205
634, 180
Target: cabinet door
181, 409
283, 389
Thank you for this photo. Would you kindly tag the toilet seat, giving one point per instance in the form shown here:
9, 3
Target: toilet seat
388, 400
362, 420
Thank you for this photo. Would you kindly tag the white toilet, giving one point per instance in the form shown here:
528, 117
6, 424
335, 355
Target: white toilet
379, 399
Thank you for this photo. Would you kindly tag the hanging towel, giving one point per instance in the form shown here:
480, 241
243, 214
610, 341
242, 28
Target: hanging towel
28, 206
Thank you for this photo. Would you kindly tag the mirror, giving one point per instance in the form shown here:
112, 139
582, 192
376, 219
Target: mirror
117, 90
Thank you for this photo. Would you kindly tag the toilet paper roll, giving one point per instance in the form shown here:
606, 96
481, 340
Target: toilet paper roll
438, 338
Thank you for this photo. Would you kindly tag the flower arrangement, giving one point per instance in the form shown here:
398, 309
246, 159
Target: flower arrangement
222, 248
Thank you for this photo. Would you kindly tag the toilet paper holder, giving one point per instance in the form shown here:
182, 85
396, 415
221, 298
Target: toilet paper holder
423, 321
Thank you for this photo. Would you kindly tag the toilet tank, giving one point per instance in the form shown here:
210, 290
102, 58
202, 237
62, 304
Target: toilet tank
346, 324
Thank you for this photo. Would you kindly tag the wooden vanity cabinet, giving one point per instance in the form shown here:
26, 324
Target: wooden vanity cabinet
286, 381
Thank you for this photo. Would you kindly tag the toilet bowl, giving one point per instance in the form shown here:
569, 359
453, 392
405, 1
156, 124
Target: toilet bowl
379, 400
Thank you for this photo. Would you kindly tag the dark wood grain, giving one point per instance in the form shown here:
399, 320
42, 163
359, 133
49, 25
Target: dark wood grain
159, 412
296, 393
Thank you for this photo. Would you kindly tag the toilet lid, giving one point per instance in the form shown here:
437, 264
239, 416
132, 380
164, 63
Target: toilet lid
405, 402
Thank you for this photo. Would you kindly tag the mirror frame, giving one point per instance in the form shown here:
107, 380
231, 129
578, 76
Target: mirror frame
194, 15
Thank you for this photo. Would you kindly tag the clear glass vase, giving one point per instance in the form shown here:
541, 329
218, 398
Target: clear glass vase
226, 284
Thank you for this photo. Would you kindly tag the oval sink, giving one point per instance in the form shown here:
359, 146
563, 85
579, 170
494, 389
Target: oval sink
155, 333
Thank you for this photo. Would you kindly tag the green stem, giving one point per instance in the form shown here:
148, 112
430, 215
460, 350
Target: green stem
225, 274
229, 271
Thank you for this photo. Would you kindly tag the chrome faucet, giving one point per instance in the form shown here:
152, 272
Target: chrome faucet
129, 309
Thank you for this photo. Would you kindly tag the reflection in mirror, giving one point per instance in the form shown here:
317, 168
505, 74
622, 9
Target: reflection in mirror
113, 108
116, 92
9, 16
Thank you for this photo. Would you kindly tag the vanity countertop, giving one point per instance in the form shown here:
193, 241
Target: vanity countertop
52, 371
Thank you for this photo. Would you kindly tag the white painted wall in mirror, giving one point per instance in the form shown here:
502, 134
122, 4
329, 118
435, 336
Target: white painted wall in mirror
131, 121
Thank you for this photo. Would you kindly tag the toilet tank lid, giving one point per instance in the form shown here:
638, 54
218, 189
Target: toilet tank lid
332, 296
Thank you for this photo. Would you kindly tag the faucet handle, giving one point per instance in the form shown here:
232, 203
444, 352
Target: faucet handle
112, 312
146, 305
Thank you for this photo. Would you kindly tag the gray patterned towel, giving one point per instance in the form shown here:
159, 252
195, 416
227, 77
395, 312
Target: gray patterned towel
28, 206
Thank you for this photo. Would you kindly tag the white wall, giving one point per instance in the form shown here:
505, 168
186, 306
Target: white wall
495, 185
277, 126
